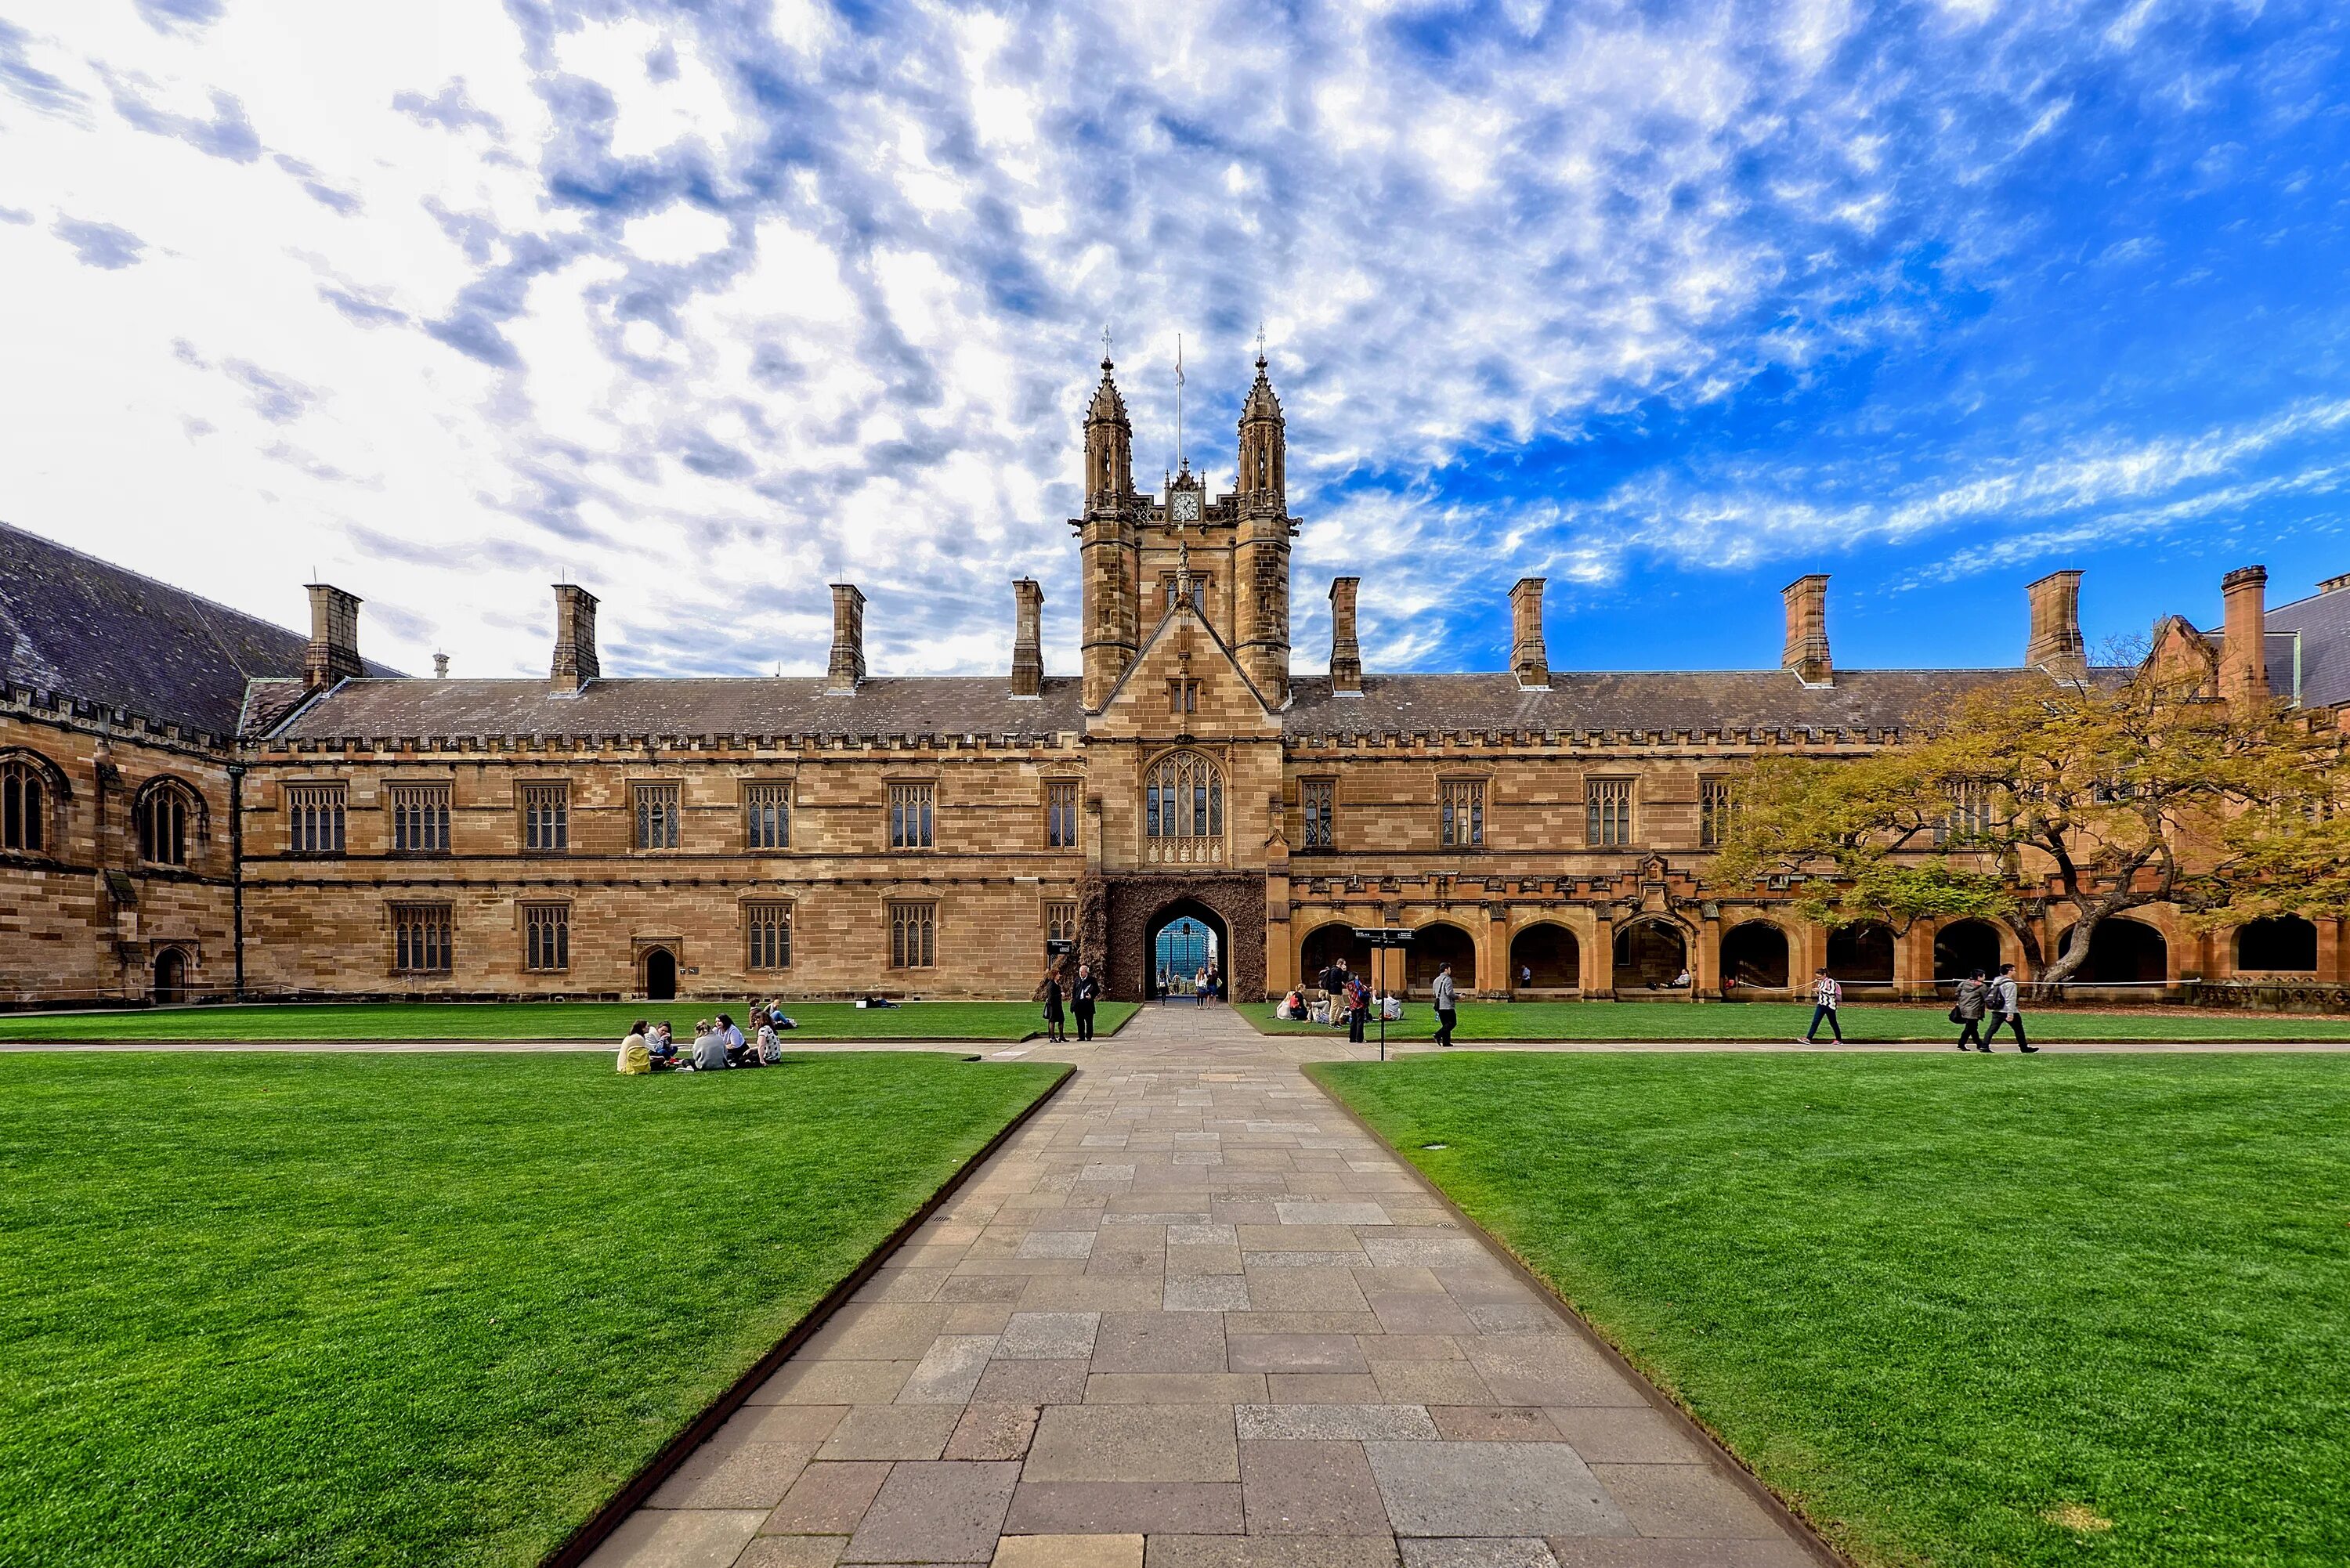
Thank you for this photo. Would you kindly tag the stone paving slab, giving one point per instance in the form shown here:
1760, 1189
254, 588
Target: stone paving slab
1192, 1316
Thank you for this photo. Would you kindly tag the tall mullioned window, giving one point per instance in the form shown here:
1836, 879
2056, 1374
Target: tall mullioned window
24, 807
657, 812
1183, 811
1061, 815
913, 936
1607, 812
1060, 921
420, 819
165, 813
1316, 800
422, 939
1713, 808
1460, 813
769, 928
314, 819
767, 811
912, 806
545, 937
545, 818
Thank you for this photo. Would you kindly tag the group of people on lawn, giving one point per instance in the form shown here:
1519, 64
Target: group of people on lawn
1981, 996
718, 1043
1349, 1001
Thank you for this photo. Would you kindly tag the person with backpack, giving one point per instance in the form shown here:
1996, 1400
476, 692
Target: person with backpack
1967, 1011
1826, 997
1358, 1010
2005, 1009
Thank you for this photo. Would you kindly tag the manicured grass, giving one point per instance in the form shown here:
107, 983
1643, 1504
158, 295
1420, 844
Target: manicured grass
1943, 1302
1878, 1022
602, 1022
418, 1308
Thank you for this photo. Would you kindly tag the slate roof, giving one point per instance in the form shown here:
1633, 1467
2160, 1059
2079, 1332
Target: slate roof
688, 707
2322, 622
73, 624
1701, 700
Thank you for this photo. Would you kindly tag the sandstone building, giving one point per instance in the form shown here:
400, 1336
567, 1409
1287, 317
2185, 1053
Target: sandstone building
192, 803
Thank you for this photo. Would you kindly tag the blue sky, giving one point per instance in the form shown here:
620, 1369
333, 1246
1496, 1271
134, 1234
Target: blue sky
706, 306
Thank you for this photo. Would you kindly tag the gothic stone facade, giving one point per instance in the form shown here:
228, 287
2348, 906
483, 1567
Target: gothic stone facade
352, 832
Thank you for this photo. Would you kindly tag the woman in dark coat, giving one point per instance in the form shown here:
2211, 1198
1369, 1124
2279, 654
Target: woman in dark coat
1972, 992
1053, 1028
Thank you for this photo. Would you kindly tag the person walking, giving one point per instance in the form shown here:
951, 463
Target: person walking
1826, 997
1053, 1030
1358, 1010
1967, 1009
1447, 1006
1082, 997
2005, 1009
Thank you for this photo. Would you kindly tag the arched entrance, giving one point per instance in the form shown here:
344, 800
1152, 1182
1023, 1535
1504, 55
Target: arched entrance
1433, 946
1546, 958
2122, 952
2281, 943
1324, 946
171, 976
1963, 947
1649, 954
1179, 938
1754, 957
1862, 954
660, 975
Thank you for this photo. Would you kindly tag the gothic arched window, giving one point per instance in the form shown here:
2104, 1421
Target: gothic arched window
1183, 811
24, 806
168, 813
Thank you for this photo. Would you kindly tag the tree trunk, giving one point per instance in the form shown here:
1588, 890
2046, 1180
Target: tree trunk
2046, 983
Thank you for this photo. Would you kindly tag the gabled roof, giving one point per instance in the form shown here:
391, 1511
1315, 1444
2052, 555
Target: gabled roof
73, 624
1732, 699
687, 708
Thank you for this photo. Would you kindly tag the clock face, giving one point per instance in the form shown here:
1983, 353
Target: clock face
1184, 507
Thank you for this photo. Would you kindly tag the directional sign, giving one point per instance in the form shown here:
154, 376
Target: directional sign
1059, 946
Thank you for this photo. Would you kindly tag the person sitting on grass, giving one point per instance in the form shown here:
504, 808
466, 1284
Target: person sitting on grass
775, 1018
770, 1049
636, 1056
709, 1048
661, 1046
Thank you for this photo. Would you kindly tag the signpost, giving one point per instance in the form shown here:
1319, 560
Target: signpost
1060, 947
1378, 937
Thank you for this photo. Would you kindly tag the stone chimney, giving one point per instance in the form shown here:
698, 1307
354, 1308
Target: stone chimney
845, 673
1529, 657
2334, 585
1346, 653
2056, 645
334, 651
2243, 643
1807, 648
1028, 638
574, 638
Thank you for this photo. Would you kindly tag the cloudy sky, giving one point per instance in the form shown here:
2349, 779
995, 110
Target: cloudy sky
705, 306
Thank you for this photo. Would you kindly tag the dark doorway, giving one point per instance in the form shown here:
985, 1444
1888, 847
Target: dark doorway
1185, 932
1324, 946
1435, 945
1650, 954
1552, 955
2284, 943
1754, 957
1963, 947
1861, 955
171, 976
660, 975
2122, 952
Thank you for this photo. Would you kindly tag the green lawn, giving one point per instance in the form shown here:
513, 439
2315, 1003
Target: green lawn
1941, 1301
602, 1022
370, 1309
1787, 1021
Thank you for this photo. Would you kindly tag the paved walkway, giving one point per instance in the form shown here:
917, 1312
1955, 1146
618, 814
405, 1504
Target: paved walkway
1191, 1316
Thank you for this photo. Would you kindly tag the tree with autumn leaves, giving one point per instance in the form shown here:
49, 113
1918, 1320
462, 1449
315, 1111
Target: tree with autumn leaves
2108, 795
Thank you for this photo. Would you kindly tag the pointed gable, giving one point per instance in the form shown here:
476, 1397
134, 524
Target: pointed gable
1216, 699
